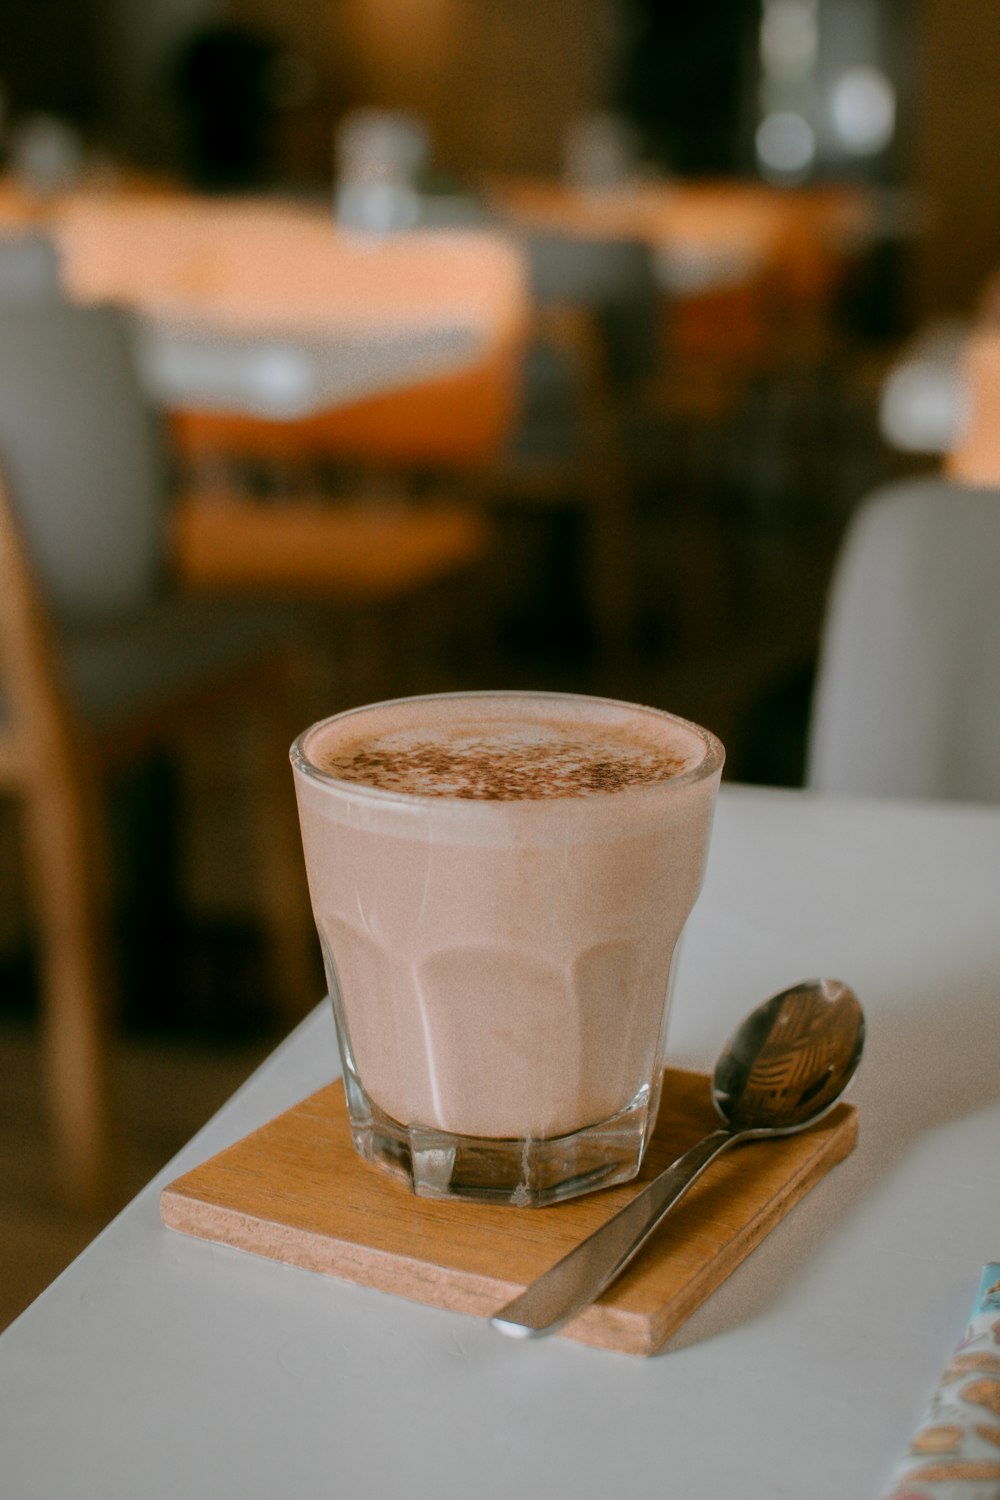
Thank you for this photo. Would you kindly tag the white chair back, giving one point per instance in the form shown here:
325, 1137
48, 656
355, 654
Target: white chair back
79, 449
29, 268
907, 700
615, 280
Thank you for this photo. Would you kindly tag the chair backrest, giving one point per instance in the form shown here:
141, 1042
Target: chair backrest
615, 280
907, 700
29, 268
80, 452
36, 724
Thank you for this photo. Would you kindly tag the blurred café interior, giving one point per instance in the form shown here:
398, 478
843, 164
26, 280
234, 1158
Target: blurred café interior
357, 348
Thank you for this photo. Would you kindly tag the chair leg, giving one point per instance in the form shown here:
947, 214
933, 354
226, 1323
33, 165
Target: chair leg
68, 859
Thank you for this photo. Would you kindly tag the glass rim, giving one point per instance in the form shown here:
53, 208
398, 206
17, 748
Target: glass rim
711, 761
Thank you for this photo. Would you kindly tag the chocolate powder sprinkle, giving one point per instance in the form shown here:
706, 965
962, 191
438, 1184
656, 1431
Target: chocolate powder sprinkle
485, 770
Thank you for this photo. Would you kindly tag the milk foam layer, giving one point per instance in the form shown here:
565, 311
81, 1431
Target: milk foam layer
502, 964
504, 749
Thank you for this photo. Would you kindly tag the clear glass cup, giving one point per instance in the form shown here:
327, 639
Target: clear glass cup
500, 966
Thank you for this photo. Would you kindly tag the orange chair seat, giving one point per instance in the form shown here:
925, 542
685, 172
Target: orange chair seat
360, 553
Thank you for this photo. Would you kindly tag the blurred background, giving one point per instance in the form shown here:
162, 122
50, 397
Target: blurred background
489, 343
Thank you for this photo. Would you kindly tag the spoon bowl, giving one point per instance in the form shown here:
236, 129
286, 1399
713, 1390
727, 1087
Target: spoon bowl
790, 1060
784, 1067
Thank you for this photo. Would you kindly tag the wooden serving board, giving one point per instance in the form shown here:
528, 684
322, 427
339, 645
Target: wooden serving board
296, 1191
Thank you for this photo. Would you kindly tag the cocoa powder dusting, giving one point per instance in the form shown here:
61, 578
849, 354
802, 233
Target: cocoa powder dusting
490, 771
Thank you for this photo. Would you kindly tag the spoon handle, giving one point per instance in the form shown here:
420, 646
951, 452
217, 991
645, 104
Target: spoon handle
581, 1276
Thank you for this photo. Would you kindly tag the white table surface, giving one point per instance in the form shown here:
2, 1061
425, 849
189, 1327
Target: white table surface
283, 379
163, 1366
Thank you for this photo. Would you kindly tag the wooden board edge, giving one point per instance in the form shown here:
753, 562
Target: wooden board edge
605, 1325
624, 1330
380, 1270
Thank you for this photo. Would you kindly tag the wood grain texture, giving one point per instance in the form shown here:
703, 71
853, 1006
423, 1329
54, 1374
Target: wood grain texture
352, 554
47, 763
297, 1192
54, 761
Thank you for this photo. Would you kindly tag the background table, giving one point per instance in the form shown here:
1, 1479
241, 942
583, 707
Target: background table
262, 326
161, 1366
257, 311
705, 235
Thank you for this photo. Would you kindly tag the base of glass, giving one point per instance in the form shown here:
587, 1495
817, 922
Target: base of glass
525, 1173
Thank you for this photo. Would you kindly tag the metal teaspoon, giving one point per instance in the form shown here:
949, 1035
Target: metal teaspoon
784, 1067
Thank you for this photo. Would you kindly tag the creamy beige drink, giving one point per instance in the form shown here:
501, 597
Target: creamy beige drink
499, 882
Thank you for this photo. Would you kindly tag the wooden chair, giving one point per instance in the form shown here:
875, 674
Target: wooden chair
907, 701
29, 267
377, 560
101, 664
383, 578
593, 348
542, 426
